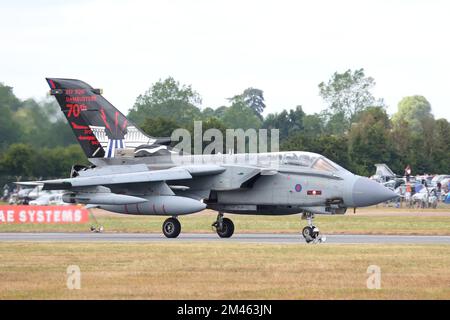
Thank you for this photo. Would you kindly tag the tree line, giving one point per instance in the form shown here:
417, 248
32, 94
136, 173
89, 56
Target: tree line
353, 129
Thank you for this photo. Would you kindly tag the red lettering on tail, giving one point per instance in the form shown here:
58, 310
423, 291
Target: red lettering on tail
79, 127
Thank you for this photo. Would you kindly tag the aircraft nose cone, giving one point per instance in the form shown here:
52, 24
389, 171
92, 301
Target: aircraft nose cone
367, 192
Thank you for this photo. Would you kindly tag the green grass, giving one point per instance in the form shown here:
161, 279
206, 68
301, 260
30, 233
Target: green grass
346, 224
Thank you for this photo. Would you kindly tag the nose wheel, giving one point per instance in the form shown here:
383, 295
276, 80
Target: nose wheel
311, 233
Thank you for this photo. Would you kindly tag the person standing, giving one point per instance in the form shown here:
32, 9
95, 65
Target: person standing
438, 191
407, 172
408, 195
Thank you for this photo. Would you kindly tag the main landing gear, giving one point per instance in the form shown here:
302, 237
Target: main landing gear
95, 227
224, 226
171, 227
311, 232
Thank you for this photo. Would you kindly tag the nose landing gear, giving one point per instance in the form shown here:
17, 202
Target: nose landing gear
311, 233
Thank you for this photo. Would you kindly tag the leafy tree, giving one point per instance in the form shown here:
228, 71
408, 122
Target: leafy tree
210, 123
159, 127
42, 124
401, 146
441, 147
58, 161
167, 99
413, 132
220, 112
19, 160
297, 142
313, 124
208, 113
334, 123
370, 141
8, 126
416, 111
213, 123
28, 162
253, 98
278, 121
239, 115
287, 122
346, 95
8, 99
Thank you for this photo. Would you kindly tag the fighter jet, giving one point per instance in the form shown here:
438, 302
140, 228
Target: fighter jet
383, 173
133, 173
387, 177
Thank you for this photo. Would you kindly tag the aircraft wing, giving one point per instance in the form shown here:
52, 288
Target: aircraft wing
112, 175
121, 178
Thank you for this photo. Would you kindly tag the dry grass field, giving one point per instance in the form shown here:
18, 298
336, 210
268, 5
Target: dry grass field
366, 221
219, 270
223, 271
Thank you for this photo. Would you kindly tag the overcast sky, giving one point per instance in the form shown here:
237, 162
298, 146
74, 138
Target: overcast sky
285, 48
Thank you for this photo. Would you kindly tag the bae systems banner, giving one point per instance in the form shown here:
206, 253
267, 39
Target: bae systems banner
43, 214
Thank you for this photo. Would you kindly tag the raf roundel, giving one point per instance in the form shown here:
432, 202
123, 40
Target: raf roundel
298, 187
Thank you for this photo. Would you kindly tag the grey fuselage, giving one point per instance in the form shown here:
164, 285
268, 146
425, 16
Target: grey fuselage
265, 183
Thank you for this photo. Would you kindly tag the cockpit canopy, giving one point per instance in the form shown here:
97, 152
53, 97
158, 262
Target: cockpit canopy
310, 160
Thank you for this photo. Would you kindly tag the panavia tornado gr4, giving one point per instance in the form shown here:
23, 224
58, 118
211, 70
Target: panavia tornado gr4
133, 173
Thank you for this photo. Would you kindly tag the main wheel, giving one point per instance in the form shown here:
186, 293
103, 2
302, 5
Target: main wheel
227, 229
171, 228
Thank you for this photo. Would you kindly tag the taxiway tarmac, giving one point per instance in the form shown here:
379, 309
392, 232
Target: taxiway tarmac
211, 237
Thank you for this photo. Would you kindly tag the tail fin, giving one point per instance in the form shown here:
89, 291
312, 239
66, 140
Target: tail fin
383, 170
99, 127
